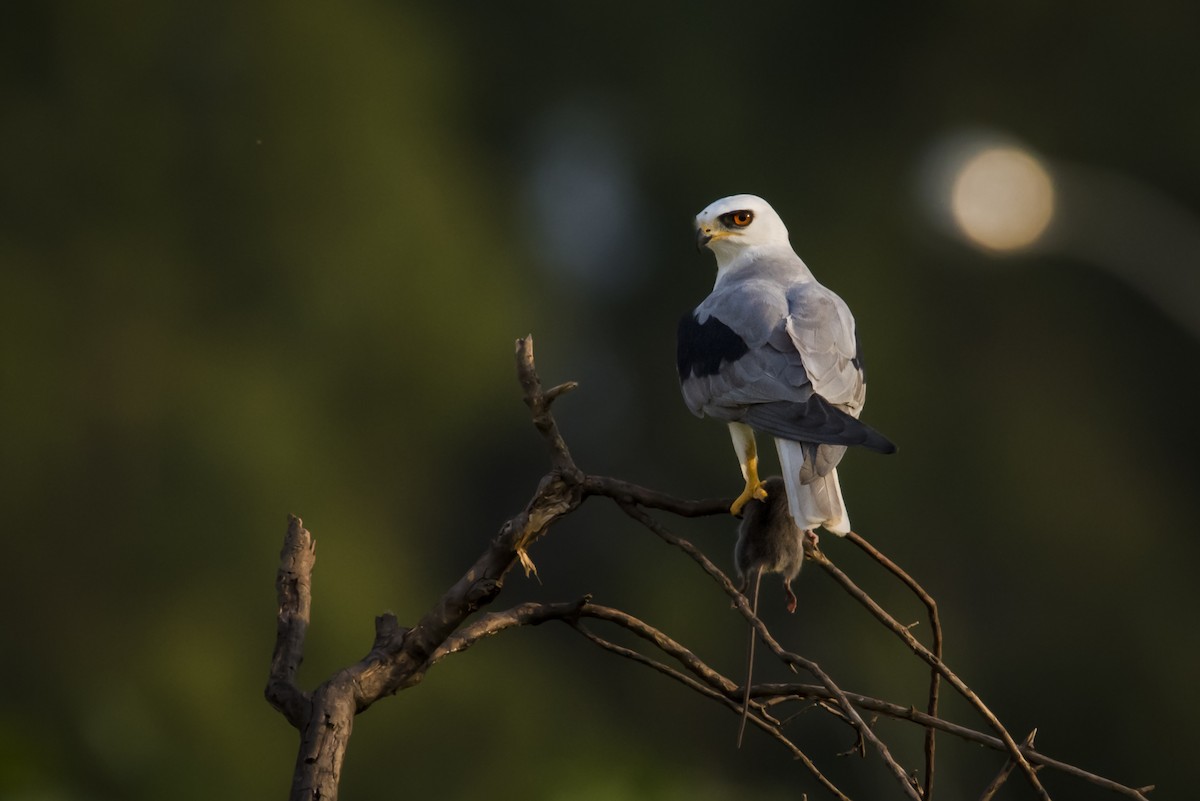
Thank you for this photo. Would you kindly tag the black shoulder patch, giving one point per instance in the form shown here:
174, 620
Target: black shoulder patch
701, 348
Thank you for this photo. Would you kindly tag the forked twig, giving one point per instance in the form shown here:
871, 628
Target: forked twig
998, 780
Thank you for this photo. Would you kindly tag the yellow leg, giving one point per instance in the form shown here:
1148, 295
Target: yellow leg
747, 451
754, 488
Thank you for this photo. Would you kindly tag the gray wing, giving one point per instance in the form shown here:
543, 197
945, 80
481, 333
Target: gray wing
734, 351
780, 358
821, 329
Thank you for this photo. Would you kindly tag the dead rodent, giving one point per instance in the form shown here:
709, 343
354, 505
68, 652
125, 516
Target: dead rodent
769, 541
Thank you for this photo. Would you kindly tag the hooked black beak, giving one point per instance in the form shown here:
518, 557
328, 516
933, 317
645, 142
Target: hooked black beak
702, 238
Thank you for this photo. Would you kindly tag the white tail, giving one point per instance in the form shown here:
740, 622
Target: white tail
817, 503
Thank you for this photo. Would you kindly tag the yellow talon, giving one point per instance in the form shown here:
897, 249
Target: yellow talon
757, 491
754, 489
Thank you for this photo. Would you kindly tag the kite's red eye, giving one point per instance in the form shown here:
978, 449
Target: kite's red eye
742, 218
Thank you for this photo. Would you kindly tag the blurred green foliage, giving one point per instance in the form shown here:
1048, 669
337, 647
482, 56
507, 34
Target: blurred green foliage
270, 258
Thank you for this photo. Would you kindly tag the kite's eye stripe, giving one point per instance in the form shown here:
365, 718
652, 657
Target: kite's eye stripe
740, 219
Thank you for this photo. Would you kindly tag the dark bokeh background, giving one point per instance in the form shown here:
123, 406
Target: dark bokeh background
269, 258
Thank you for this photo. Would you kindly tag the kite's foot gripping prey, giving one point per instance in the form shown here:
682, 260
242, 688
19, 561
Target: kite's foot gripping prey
743, 443
754, 489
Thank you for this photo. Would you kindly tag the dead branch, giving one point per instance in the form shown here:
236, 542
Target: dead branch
400, 657
632, 495
903, 633
935, 623
294, 587
1000, 778
781, 693
743, 606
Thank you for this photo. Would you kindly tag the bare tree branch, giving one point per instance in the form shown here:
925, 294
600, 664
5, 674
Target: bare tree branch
400, 657
998, 780
903, 633
717, 687
711, 684
780, 693
733, 705
293, 585
626, 494
743, 606
539, 403
492, 623
935, 623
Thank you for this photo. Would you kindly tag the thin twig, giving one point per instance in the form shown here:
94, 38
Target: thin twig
781, 692
539, 403
708, 692
998, 780
937, 664
624, 492
799, 661
935, 623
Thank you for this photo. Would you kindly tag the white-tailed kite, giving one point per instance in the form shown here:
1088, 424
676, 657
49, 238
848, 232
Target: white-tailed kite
772, 350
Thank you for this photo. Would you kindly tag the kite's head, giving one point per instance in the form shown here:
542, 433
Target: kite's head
732, 224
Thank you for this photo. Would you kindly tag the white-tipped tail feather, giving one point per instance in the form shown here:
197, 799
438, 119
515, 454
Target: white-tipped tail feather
818, 503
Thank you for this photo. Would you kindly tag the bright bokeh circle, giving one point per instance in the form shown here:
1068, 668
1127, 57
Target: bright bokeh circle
1002, 199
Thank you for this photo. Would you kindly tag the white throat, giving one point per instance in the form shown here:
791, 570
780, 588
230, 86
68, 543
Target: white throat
732, 258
